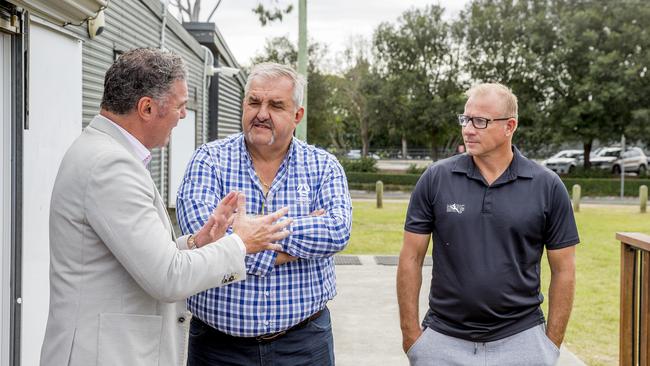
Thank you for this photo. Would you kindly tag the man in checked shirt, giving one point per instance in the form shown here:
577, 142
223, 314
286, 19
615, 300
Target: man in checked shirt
278, 315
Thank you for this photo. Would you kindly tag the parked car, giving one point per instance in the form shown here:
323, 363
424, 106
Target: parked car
564, 161
356, 154
610, 158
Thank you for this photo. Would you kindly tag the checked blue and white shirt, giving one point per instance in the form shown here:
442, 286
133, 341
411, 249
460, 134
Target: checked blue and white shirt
272, 298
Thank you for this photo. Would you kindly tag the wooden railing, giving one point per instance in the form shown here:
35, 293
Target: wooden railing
634, 337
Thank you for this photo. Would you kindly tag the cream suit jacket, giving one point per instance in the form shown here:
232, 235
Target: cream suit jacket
118, 279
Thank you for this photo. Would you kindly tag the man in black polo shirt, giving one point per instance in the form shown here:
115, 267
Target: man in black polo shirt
491, 211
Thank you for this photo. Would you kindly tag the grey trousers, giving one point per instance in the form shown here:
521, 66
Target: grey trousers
528, 348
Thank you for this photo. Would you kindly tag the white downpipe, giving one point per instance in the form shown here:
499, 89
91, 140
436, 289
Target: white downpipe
163, 149
164, 23
206, 84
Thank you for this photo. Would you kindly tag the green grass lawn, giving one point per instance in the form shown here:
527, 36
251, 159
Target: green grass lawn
593, 330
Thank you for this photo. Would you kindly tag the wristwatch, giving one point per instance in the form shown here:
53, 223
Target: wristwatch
190, 242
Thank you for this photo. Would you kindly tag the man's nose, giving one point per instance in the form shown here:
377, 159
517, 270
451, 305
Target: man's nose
183, 113
468, 128
263, 112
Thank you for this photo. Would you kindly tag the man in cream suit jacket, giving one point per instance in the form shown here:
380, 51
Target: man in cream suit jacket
118, 276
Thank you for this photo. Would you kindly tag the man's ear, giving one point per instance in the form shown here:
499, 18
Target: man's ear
299, 114
511, 126
145, 108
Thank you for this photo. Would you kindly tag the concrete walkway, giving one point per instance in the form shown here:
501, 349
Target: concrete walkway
365, 316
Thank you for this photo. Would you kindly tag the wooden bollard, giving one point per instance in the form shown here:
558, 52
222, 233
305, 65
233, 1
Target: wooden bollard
575, 198
379, 188
643, 197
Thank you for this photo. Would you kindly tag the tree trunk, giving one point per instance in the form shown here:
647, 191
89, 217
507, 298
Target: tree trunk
404, 146
587, 151
365, 140
434, 151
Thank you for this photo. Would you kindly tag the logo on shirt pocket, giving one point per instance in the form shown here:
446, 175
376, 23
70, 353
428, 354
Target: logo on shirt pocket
303, 193
455, 208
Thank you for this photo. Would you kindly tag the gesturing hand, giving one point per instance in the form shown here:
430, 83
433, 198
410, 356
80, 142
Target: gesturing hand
259, 233
218, 222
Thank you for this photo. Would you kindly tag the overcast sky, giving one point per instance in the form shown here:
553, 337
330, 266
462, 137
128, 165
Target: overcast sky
332, 22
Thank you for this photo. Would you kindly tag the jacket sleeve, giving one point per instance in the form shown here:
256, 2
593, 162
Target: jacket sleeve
199, 194
119, 206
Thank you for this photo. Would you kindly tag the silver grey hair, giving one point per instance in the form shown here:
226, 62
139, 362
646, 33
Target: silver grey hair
272, 70
141, 72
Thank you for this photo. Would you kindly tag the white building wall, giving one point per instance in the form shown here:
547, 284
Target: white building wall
55, 119
5, 196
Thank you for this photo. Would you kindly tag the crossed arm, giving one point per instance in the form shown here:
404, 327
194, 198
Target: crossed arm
319, 235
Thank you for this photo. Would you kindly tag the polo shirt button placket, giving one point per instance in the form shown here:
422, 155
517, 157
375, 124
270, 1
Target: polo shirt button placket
487, 201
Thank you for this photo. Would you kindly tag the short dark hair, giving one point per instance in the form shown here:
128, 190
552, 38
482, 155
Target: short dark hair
141, 72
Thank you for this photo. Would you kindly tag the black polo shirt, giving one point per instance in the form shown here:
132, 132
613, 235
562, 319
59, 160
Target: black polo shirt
488, 242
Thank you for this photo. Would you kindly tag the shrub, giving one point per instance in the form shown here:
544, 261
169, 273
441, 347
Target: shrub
413, 169
593, 187
407, 180
581, 172
359, 165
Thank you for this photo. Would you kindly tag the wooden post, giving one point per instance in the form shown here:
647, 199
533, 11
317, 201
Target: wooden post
379, 188
643, 197
626, 343
634, 337
644, 326
576, 198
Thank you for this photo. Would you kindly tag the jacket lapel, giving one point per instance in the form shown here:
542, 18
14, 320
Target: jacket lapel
103, 125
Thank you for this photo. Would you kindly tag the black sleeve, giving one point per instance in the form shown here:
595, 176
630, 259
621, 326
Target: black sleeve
561, 230
420, 215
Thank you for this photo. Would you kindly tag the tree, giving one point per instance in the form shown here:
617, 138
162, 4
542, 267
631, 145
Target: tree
603, 87
575, 65
418, 59
512, 42
191, 10
354, 91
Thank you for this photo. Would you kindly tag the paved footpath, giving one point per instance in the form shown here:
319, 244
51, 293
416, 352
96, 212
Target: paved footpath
365, 316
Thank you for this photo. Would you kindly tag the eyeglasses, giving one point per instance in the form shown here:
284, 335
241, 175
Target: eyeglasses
478, 122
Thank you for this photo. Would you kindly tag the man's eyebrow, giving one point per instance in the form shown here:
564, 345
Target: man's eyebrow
277, 102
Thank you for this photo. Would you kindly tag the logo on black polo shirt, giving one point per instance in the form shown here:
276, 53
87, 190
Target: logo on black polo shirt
455, 207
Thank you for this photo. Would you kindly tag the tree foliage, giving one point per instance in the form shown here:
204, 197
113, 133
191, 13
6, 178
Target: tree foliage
575, 65
418, 60
578, 67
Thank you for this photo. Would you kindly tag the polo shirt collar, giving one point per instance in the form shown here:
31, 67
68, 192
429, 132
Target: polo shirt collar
519, 167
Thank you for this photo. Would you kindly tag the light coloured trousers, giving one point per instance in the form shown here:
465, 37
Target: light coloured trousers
528, 348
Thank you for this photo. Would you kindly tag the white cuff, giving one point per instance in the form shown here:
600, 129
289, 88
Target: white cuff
240, 242
181, 243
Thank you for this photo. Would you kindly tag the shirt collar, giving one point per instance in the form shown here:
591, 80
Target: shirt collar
287, 158
519, 166
141, 151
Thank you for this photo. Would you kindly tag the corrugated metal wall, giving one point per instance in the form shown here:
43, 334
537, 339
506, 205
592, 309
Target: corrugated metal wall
132, 24
230, 100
